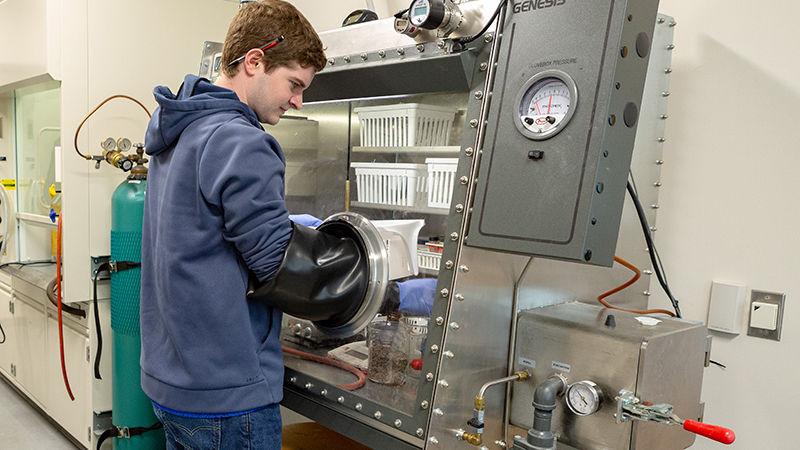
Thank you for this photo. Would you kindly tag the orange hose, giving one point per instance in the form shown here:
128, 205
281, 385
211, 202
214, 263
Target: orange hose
332, 362
95, 110
623, 286
60, 325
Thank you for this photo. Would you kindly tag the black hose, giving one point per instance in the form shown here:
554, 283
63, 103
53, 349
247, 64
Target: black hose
651, 249
102, 268
51, 295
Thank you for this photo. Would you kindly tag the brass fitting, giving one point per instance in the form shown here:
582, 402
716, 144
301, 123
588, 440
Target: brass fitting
480, 403
474, 439
523, 375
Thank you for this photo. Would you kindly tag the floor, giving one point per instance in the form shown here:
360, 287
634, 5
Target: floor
22, 427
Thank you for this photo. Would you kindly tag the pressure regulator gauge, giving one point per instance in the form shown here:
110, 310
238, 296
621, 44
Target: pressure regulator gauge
123, 144
584, 397
546, 103
109, 144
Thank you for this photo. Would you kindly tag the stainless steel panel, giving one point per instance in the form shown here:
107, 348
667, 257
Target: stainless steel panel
477, 334
661, 364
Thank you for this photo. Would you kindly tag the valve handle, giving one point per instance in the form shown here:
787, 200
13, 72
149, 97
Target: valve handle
714, 432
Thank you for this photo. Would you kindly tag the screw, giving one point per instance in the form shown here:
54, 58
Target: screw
363, 56
331, 61
440, 44
473, 123
464, 180
659, 162
293, 380
646, 293
420, 48
398, 423
424, 404
673, 23
459, 297
665, 94
449, 264
439, 320
358, 406
377, 414
654, 206
444, 383
488, 38
346, 59
420, 432
653, 229
381, 53
429, 376
671, 47
668, 70
647, 272
449, 354
661, 20
434, 348
657, 184
468, 151
340, 399
478, 95
438, 412
323, 392
459, 208
463, 268
433, 440
663, 117
309, 385
454, 326
661, 139
453, 236
400, 51
484, 66
444, 292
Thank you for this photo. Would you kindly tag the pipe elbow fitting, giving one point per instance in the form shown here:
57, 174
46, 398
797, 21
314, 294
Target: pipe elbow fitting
544, 398
473, 438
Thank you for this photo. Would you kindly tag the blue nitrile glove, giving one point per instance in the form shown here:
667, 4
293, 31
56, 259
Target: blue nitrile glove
305, 219
416, 296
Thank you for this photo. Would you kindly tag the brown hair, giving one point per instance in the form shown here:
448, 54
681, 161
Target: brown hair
257, 23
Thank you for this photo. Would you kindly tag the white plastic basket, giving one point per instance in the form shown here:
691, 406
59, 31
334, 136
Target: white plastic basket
441, 178
398, 184
404, 125
428, 260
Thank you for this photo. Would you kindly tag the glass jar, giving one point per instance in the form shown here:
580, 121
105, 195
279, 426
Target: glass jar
388, 351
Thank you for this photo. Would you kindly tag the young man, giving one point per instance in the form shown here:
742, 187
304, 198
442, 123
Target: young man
215, 214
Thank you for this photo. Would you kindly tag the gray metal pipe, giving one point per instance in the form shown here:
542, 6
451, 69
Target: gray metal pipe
540, 437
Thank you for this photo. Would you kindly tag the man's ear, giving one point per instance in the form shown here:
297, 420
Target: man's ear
253, 61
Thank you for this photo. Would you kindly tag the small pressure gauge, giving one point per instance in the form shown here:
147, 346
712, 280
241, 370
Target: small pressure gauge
123, 144
546, 103
109, 144
584, 397
441, 15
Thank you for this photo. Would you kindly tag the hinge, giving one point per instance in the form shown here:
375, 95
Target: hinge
89, 434
88, 354
11, 306
13, 370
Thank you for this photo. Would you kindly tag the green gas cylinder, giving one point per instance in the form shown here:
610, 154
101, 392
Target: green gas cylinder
131, 407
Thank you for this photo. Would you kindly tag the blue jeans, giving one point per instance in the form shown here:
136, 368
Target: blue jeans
256, 430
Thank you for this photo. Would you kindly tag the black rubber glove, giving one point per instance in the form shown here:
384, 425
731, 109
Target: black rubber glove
322, 278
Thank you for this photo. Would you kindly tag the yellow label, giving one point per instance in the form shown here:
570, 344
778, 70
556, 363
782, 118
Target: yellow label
9, 183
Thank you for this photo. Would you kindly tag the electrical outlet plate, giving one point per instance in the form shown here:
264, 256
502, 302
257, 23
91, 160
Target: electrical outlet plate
776, 298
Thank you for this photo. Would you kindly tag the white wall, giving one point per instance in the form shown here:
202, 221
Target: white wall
728, 202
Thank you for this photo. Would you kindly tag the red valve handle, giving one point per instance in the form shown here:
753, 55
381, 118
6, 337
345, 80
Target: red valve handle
714, 432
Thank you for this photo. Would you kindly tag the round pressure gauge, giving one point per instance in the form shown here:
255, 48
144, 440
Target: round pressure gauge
546, 103
123, 144
109, 144
584, 397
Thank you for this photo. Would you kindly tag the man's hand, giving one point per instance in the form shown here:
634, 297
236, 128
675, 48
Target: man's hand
416, 296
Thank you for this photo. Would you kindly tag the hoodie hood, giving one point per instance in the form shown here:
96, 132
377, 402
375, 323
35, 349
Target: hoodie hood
196, 98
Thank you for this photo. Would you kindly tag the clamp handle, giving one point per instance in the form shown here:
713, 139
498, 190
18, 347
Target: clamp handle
714, 432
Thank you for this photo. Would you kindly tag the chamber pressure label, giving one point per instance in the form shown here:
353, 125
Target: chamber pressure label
9, 183
561, 366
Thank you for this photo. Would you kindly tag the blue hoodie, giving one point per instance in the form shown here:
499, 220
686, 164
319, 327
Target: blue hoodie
214, 211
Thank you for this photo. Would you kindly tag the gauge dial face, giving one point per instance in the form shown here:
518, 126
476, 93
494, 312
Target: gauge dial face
583, 398
123, 144
546, 104
109, 144
419, 11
